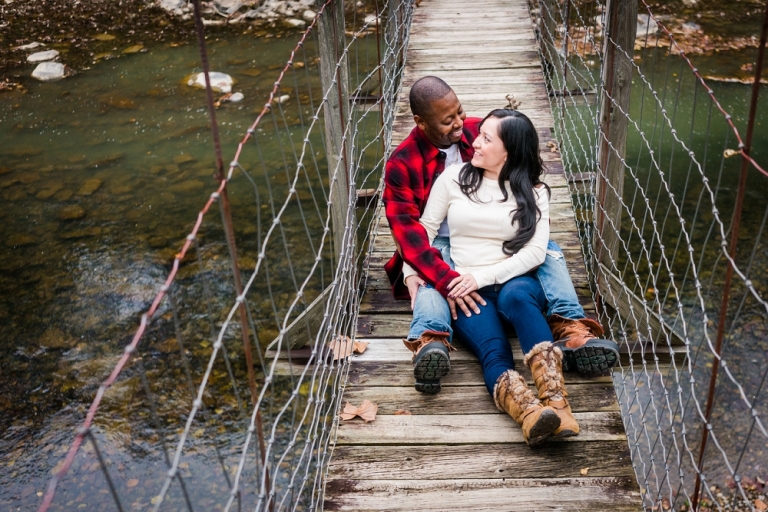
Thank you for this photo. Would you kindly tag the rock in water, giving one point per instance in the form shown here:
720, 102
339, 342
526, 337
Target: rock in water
71, 212
308, 15
238, 96
371, 19
172, 5
43, 56
228, 6
49, 71
220, 82
30, 46
294, 23
646, 25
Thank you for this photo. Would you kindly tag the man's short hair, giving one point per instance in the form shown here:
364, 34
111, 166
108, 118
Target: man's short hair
426, 90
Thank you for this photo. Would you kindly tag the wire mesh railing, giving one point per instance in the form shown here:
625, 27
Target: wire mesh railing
217, 401
670, 204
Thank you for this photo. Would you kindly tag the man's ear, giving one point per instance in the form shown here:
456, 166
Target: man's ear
419, 121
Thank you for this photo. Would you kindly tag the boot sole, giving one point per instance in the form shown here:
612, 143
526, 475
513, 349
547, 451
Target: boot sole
597, 357
429, 368
548, 422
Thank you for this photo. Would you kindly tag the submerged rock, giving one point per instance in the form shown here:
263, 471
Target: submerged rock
71, 212
30, 46
173, 6
309, 15
371, 19
49, 71
236, 97
20, 240
89, 187
42, 56
646, 25
294, 23
55, 338
220, 82
228, 6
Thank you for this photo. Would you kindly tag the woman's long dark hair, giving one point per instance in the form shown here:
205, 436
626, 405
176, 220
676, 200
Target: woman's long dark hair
522, 171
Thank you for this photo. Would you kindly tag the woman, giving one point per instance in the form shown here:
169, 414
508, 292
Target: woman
497, 210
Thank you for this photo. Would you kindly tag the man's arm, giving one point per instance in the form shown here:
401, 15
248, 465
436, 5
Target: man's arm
411, 237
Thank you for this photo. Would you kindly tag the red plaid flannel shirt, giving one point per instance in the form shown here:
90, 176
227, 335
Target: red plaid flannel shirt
410, 172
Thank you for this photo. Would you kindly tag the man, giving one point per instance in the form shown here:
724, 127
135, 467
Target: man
443, 135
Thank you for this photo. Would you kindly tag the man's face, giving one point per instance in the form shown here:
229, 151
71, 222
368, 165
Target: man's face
443, 123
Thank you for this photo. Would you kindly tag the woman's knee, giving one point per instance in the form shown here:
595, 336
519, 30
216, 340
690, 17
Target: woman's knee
521, 292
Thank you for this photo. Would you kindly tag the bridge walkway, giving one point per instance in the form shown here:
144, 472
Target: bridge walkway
455, 450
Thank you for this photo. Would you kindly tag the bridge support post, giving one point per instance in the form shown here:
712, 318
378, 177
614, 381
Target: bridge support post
335, 79
616, 77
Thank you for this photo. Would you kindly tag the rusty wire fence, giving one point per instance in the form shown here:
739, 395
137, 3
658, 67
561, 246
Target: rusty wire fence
672, 215
277, 267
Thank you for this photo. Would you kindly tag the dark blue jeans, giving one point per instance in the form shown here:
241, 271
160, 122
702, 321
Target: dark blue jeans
519, 302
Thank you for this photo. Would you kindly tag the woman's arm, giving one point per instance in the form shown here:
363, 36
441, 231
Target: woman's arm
529, 257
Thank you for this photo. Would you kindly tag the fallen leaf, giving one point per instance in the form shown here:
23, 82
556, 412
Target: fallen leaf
728, 153
341, 347
584, 471
360, 346
402, 412
133, 482
760, 505
367, 411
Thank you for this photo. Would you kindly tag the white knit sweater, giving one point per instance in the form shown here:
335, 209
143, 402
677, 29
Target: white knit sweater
478, 229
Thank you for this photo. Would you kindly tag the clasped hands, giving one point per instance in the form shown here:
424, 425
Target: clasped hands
462, 292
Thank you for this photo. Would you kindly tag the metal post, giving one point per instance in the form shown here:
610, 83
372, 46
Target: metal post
621, 28
732, 252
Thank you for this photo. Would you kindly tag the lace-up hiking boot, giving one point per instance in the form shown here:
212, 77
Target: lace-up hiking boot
431, 361
545, 362
583, 349
512, 395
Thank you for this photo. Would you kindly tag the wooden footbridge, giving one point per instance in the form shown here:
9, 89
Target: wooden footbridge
455, 450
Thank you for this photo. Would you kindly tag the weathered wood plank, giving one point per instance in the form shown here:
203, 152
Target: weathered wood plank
472, 399
510, 495
607, 458
468, 429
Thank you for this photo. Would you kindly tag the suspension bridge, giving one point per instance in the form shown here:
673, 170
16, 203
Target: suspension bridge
659, 262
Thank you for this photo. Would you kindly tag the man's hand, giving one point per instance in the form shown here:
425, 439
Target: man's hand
467, 303
414, 283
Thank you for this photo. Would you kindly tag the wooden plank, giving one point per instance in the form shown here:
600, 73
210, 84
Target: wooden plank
468, 429
617, 494
472, 399
606, 458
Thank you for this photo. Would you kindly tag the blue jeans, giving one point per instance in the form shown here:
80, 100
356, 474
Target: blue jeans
521, 303
558, 287
430, 311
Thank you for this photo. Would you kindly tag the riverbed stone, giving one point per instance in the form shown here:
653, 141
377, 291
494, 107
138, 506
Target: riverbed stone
49, 190
174, 6
49, 71
63, 195
89, 187
71, 212
220, 82
42, 56
30, 46
187, 186
81, 233
53, 337
29, 177
21, 240
371, 20
308, 15
183, 158
294, 23
646, 25
228, 6
236, 97
15, 194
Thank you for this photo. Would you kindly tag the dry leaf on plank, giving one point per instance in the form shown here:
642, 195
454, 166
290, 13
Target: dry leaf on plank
360, 347
584, 471
367, 411
402, 412
341, 346
760, 505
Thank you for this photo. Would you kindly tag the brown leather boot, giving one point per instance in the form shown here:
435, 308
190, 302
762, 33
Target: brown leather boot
512, 396
545, 362
583, 348
431, 361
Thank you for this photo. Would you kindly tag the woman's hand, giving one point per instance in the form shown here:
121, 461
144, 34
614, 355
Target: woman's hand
462, 286
413, 283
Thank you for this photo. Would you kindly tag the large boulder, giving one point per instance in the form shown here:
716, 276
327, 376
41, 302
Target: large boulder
49, 71
220, 82
43, 56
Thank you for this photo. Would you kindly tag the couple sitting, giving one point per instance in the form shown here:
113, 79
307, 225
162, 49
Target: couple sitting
470, 218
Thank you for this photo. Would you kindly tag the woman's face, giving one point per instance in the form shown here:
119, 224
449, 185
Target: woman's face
489, 150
